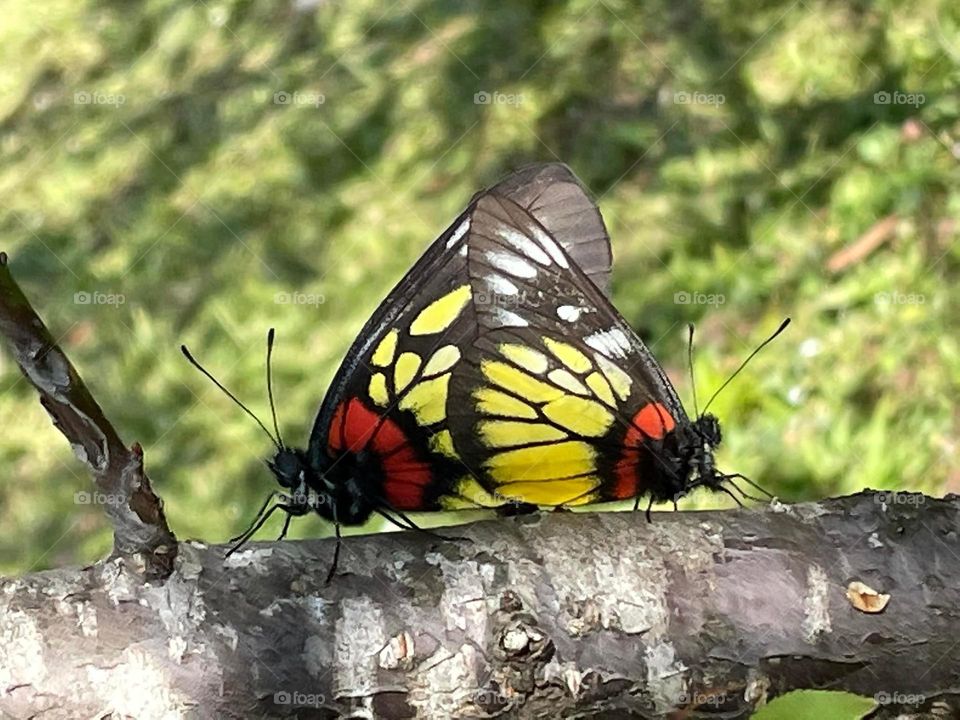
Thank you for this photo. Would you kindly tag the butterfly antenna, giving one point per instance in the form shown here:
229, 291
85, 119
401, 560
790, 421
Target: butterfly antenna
761, 346
198, 366
273, 408
693, 381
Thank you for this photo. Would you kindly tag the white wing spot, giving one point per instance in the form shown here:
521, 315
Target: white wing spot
551, 247
524, 245
511, 264
458, 233
507, 318
501, 286
568, 313
612, 343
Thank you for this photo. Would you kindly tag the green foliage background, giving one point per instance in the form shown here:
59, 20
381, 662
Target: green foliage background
145, 153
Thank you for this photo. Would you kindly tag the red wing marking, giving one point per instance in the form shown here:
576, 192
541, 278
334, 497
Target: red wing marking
336, 440
355, 428
652, 422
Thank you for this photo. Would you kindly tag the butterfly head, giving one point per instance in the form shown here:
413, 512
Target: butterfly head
294, 474
340, 491
290, 467
704, 441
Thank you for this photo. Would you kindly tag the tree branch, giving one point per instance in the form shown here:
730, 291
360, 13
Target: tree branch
140, 527
577, 615
551, 615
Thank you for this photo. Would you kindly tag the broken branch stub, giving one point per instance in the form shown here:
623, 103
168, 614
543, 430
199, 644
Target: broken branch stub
135, 511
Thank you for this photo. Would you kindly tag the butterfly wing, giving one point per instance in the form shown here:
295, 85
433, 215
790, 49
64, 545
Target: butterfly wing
557, 200
390, 395
557, 401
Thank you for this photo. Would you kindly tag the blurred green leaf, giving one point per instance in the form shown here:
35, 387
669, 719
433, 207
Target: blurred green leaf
816, 705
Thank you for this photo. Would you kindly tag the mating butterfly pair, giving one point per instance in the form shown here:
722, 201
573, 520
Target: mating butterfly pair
497, 371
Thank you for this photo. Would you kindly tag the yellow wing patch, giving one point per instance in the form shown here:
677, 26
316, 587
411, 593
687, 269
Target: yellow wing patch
404, 371
418, 387
441, 313
568, 355
519, 382
601, 388
443, 359
494, 402
442, 442
506, 433
386, 349
529, 359
427, 400
579, 415
378, 389
567, 381
543, 462
618, 379
574, 491
468, 494
568, 394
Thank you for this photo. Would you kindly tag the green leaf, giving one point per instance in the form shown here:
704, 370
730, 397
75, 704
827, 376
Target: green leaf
816, 705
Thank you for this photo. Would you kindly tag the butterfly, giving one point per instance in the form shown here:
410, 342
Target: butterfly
496, 372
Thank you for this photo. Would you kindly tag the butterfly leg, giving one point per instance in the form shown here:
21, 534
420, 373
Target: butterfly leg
286, 525
260, 512
735, 498
407, 523
242, 540
411, 525
649, 505
336, 555
749, 482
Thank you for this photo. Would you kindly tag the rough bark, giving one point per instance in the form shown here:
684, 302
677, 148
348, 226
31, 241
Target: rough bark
553, 615
141, 535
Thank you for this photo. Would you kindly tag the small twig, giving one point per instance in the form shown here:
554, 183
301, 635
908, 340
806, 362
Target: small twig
140, 527
879, 233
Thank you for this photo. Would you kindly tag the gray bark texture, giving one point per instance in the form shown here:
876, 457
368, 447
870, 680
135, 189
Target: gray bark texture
593, 615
